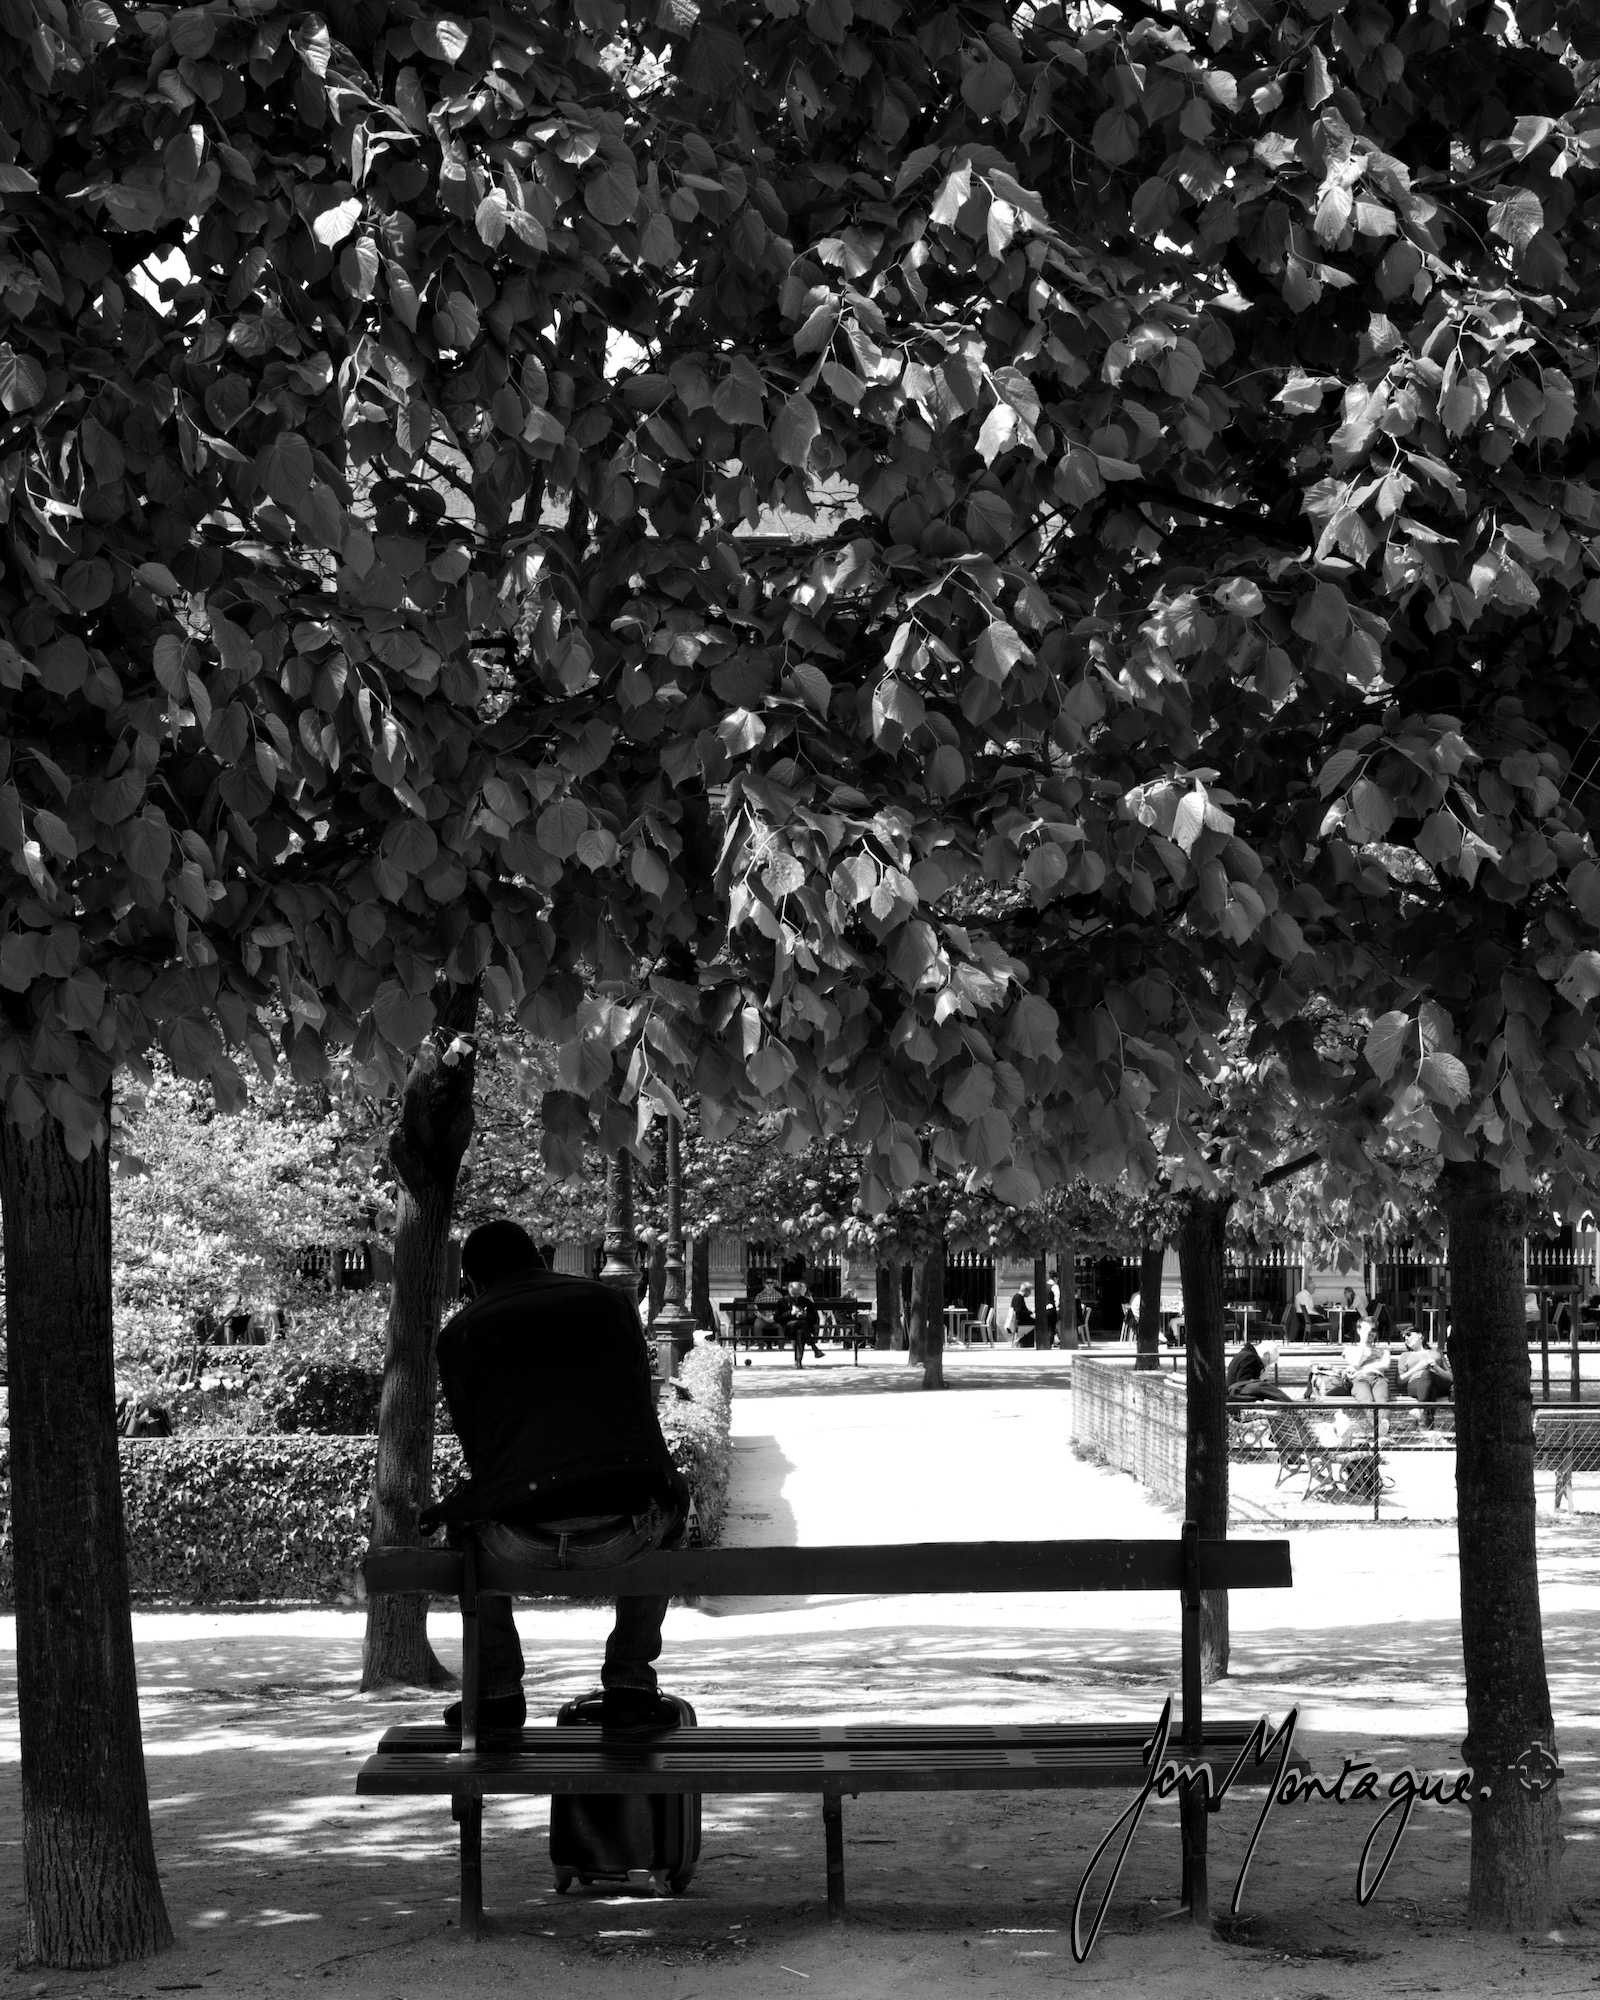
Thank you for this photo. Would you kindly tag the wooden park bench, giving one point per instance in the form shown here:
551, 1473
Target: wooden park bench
877, 1757
1565, 1441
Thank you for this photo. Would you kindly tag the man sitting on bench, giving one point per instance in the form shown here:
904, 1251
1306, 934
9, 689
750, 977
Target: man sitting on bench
548, 1382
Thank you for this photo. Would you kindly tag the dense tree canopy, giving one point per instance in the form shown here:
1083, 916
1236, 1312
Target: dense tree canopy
1192, 412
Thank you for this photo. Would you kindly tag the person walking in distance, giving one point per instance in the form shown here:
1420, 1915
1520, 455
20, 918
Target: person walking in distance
803, 1319
547, 1377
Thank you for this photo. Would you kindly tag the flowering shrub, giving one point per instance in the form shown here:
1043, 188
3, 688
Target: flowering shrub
210, 1212
228, 1519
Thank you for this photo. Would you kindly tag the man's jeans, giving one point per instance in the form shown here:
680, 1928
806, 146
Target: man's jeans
593, 1542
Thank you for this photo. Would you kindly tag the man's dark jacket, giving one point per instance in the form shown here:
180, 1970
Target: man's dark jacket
1246, 1366
548, 1381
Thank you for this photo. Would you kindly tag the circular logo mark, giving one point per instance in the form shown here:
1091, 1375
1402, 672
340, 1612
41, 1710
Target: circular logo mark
1537, 1770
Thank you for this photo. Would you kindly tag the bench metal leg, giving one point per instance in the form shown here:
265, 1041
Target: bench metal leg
469, 1812
833, 1830
1192, 1819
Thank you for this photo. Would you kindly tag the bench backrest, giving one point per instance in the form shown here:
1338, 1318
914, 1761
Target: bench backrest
889, 1569
1583, 1419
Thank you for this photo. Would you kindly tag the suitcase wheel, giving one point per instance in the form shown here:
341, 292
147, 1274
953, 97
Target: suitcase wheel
678, 1883
564, 1880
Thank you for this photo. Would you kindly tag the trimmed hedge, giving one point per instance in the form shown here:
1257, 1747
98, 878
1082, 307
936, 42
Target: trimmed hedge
696, 1420
325, 1398
239, 1518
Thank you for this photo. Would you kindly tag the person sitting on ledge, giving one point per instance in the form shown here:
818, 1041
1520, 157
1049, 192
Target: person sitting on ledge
548, 1381
1246, 1372
1291, 1433
1425, 1373
1369, 1371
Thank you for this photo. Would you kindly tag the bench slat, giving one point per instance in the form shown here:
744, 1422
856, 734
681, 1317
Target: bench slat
891, 1569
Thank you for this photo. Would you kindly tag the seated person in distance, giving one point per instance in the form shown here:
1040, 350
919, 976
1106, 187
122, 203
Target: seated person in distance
1425, 1373
1246, 1371
769, 1314
1369, 1370
1021, 1320
548, 1381
1297, 1316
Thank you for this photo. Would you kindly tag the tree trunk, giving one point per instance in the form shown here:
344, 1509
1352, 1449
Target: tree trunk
898, 1336
1041, 1303
1069, 1291
1152, 1261
426, 1148
89, 1867
927, 1316
700, 1305
658, 1280
1205, 1488
1516, 1833
884, 1287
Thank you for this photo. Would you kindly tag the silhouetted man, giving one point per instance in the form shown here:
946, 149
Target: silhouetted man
548, 1381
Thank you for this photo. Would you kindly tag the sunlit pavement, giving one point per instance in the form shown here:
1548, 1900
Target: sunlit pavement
275, 1872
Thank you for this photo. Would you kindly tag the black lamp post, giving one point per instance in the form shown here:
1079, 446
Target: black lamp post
674, 1320
621, 1267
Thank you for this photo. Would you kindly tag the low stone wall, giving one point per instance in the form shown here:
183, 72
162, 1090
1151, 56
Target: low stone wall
1134, 1423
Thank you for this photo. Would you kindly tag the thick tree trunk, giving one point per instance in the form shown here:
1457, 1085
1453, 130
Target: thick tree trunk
1069, 1291
658, 1281
1200, 1260
1152, 1259
700, 1305
1516, 1833
426, 1148
1041, 1302
884, 1289
88, 1861
927, 1316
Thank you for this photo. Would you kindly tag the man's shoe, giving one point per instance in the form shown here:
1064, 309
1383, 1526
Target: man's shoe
498, 1714
637, 1712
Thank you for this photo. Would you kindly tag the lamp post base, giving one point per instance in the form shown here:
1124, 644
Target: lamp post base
674, 1322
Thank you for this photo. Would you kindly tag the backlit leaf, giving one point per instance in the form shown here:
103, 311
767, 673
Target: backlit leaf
1384, 1042
1517, 217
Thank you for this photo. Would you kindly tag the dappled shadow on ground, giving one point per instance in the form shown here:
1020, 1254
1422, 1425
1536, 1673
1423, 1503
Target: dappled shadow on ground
274, 1869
